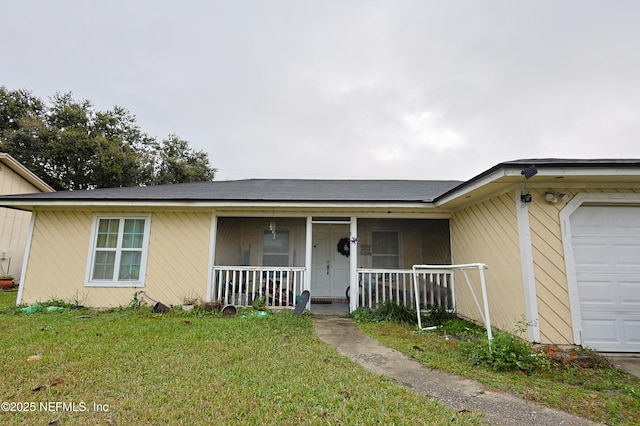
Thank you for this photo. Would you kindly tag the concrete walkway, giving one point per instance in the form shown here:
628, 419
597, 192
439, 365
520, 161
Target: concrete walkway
453, 391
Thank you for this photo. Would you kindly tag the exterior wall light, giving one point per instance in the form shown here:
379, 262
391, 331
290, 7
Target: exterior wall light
553, 197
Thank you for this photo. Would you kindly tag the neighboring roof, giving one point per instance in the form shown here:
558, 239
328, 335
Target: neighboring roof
22, 171
447, 194
267, 190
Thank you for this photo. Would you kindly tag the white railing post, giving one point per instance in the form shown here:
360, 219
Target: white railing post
440, 271
486, 302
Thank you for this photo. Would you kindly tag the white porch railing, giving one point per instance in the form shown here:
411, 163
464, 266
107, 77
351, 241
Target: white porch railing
377, 286
421, 270
241, 285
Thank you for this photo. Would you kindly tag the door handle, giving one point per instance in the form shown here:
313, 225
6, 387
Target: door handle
328, 266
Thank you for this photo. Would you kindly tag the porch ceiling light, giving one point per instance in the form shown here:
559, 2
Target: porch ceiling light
272, 228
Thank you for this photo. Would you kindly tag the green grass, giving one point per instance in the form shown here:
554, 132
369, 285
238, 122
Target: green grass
601, 394
195, 368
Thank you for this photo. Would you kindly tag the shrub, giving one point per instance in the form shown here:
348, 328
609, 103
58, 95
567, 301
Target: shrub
364, 315
506, 352
392, 312
388, 311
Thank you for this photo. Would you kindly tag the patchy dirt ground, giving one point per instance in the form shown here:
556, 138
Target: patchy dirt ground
575, 356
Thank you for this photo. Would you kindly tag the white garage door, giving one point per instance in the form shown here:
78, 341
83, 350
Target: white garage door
606, 247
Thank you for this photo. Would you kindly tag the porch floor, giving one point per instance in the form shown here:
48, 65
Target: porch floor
334, 308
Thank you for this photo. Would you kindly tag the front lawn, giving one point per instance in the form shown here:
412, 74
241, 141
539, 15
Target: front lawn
133, 367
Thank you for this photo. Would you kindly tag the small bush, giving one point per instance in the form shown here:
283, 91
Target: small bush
388, 311
392, 312
506, 352
364, 315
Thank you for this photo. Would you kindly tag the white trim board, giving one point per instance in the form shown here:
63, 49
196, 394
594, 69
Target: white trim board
528, 274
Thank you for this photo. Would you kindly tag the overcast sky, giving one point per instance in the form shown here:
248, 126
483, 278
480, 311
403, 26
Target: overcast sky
345, 89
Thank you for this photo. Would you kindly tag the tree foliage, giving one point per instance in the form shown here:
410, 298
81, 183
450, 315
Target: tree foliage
71, 146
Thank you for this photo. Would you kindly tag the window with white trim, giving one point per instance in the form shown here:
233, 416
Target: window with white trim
118, 251
385, 249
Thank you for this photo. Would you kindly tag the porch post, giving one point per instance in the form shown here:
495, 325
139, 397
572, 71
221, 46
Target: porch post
353, 265
212, 257
308, 256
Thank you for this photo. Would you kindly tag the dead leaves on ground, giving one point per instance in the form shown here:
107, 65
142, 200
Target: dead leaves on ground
54, 382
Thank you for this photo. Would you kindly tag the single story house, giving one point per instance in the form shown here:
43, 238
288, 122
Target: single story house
560, 238
14, 224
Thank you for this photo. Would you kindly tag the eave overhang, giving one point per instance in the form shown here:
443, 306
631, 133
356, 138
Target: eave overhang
507, 176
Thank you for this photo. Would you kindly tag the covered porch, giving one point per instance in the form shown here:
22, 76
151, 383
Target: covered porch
350, 261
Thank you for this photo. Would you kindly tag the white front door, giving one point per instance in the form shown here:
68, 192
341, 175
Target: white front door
330, 269
606, 247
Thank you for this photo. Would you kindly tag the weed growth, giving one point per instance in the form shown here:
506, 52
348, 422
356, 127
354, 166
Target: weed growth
388, 311
506, 352
439, 316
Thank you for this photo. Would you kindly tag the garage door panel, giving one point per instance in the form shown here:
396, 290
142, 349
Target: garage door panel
599, 331
630, 294
606, 248
612, 334
590, 255
596, 292
627, 255
632, 330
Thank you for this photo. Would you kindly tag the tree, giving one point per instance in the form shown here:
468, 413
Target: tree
16, 105
23, 130
180, 163
71, 146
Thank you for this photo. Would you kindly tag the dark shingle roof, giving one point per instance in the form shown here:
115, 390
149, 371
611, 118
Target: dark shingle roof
580, 162
285, 190
301, 190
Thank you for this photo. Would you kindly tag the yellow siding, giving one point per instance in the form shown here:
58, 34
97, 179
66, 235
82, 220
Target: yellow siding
57, 259
13, 183
488, 233
177, 263
178, 259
